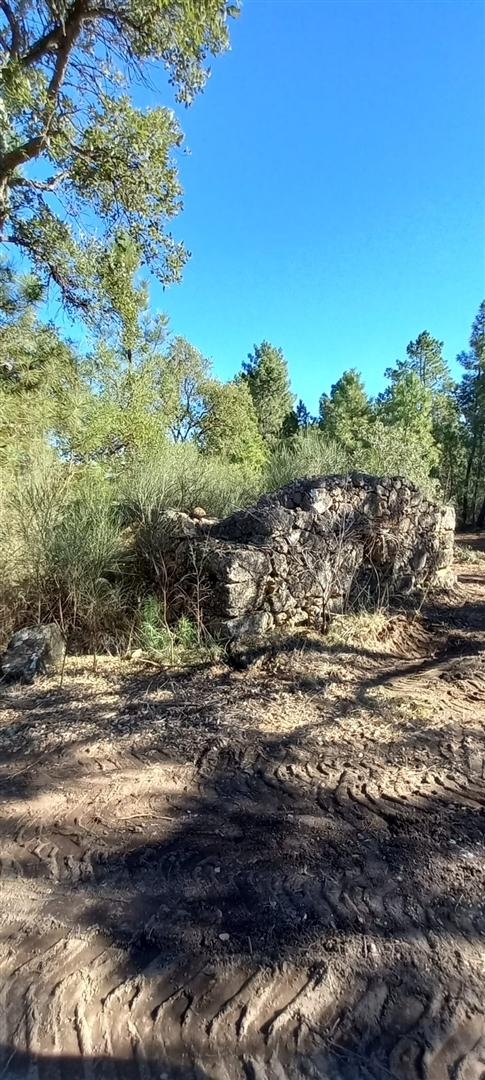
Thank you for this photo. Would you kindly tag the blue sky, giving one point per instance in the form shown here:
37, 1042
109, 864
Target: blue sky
335, 187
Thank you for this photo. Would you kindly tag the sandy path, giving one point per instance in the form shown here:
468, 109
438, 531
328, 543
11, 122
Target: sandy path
267, 874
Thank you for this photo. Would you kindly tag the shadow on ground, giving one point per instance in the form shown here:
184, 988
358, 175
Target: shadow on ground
334, 869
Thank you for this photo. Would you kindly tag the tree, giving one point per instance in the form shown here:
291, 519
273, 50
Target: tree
265, 373
303, 416
449, 434
73, 144
425, 359
426, 362
298, 419
184, 375
345, 414
229, 426
407, 405
471, 396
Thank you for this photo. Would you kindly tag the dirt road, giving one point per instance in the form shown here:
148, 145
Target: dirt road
262, 874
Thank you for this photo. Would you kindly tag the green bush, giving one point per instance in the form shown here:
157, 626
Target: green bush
62, 554
153, 635
181, 478
182, 642
382, 450
390, 450
307, 454
89, 567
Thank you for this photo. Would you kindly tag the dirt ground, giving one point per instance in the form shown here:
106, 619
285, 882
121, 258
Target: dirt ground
261, 874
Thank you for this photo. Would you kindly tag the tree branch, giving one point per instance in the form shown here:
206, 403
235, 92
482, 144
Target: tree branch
66, 287
52, 38
14, 27
40, 185
34, 146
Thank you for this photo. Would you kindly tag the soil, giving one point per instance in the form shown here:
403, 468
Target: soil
261, 874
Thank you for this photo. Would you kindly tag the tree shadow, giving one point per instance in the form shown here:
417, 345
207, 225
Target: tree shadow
18, 1065
359, 862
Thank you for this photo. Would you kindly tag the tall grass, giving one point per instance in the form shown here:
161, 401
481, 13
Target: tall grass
89, 547
307, 454
61, 552
383, 451
179, 477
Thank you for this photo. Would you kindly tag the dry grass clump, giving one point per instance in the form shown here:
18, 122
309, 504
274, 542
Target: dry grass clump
468, 555
361, 628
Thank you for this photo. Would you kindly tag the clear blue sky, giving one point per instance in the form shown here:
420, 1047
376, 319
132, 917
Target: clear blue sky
335, 188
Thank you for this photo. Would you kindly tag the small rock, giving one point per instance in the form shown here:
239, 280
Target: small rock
224, 937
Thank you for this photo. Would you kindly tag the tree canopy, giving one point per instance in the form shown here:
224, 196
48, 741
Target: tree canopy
81, 167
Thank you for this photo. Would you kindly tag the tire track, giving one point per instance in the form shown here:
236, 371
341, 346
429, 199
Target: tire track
262, 902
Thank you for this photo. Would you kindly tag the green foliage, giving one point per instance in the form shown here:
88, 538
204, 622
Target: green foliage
62, 553
179, 477
394, 450
118, 409
425, 359
184, 376
449, 436
345, 414
386, 450
265, 373
37, 371
65, 102
471, 397
153, 633
229, 427
180, 643
307, 454
303, 417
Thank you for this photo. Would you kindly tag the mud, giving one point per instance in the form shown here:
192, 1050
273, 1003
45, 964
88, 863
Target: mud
268, 874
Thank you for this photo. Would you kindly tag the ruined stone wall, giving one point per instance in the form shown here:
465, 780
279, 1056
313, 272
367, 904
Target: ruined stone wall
315, 547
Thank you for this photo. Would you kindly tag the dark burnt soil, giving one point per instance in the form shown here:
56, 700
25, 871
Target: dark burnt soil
262, 874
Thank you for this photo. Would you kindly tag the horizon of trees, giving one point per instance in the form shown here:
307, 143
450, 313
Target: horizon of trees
140, 388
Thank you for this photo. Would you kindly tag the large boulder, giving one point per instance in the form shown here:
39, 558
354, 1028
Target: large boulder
31, 651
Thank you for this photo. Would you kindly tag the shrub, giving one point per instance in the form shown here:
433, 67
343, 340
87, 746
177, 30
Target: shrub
181, 478
381, 450
390, 450
62, 553
307, 454
183, 642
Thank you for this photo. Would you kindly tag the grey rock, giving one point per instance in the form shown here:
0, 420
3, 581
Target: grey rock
317, 544
31, 651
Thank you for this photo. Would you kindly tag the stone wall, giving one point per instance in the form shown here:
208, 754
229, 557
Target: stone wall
314, 547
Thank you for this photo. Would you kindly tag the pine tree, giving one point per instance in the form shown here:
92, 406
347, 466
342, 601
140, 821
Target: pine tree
425, 358
345, 414
406, 406
266, 376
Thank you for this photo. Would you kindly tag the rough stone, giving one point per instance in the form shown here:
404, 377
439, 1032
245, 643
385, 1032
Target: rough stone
33, 650
316, 546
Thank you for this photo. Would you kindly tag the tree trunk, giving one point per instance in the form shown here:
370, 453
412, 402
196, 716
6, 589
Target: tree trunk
478, 476
481, 516
466, 484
